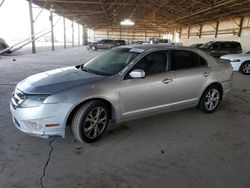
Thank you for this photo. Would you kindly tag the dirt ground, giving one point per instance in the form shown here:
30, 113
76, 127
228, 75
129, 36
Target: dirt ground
184, 149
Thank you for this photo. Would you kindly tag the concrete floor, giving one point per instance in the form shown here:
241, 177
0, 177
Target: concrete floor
183, 149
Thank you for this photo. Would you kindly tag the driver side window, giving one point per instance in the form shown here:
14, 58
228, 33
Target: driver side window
151, 64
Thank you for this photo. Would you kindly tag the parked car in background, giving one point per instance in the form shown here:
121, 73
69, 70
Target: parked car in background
120, 85
239, 62
219, 48
3, 46
196, 45
158, 41
120, 42
138, 42
102, 44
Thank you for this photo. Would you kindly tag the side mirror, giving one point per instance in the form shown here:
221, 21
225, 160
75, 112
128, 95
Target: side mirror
137, 73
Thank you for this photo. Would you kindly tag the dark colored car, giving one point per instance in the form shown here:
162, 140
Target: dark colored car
220, 48
102, 44
138, 42
196, 45
120, 42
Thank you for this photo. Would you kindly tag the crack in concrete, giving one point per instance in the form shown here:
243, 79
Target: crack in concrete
47, 162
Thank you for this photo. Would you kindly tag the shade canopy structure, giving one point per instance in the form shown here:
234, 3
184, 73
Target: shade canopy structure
147, 14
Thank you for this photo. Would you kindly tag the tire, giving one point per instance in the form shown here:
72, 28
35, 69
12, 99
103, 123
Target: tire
210, 99
94, 48
245, 68
85, 125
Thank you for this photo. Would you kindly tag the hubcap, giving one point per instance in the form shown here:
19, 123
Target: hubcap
212, 99
246, 68
95, 122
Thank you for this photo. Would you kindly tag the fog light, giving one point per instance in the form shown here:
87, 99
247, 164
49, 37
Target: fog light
32, 125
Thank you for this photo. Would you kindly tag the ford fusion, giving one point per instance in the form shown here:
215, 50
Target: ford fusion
123, 84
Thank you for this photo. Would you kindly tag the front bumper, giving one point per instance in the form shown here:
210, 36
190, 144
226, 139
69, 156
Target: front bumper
236, 65
37, 121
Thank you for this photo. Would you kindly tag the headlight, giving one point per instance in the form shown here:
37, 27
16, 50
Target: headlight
234, 60
33, 101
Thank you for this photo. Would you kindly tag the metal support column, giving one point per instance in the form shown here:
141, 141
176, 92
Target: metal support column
64, 33
52, 31
173, 38
83, 35
72, 27
200, 31
216, 29
120, 33
188, 32
32, 27
240, 26
133, 35
180, 33
78, 34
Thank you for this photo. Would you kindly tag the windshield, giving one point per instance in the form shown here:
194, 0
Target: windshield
111, 62
207, 45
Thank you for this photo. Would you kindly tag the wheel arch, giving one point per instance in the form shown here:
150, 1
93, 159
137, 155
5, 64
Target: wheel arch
243, 63
74, 110
219, 85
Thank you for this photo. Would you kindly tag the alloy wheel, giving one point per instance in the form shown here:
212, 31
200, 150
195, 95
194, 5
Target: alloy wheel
246, 68
95, 122
212, 99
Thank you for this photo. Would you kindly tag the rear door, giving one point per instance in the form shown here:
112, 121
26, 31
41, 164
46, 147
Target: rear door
191, 72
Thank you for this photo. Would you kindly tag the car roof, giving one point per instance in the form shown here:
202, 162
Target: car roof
224, 42
147, 47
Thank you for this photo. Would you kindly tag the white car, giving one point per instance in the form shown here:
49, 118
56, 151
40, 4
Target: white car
239, 62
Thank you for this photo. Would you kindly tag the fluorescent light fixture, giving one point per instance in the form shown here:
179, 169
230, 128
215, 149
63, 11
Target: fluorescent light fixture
127, 22
52, 9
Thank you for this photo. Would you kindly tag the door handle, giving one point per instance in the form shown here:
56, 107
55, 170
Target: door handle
205, 74
167, 80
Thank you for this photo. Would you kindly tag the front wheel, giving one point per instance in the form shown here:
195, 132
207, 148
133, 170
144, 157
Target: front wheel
245, 69
94, 48
90, 121
210, 99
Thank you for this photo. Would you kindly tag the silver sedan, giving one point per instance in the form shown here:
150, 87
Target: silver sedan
123, 84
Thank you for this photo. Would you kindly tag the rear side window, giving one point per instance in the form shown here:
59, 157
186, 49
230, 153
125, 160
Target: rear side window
235, 46
215, 46
181, 59
230, 46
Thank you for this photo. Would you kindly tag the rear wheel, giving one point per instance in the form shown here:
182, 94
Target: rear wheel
210, 99
245, 69
90, 121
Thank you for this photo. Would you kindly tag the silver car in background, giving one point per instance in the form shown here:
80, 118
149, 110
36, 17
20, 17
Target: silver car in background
123, 84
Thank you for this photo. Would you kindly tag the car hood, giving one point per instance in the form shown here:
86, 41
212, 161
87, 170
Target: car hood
235, 56
57, 80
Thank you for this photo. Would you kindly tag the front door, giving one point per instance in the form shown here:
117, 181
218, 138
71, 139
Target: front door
150, 94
